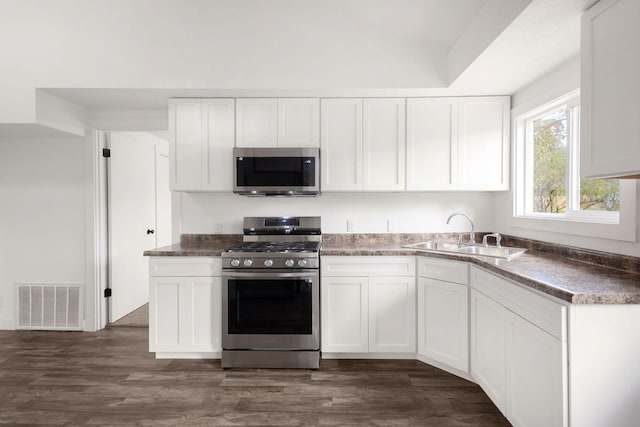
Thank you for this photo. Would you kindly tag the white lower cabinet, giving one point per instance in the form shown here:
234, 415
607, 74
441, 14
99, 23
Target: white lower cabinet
368, 305
488, 353
345, 314
392, 314
443, 307
185, 308
521, 365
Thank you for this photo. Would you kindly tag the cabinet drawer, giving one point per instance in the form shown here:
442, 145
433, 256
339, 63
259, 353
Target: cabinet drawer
542, 312
449, 271
368, 266
185, 266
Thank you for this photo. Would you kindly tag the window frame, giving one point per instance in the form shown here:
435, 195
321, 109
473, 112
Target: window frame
606, 224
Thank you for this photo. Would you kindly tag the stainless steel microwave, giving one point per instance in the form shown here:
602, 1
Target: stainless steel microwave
276, 171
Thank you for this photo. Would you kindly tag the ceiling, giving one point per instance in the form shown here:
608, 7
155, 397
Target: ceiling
541, 36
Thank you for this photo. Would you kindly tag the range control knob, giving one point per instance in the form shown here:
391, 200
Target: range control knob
288, 263
268, 262
248, 263
235, 262
302, 263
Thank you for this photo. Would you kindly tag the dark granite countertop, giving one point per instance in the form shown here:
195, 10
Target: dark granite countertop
573, 275
197, 245
572, 281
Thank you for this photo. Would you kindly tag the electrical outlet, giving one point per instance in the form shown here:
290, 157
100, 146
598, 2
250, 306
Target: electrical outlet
351, 226
391, 225
218, 228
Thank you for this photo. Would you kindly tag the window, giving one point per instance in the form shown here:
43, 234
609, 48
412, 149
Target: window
548, 183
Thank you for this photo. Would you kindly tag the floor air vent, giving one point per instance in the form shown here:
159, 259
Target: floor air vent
49, 306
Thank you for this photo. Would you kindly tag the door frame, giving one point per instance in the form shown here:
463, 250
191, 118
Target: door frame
96, 236
96, 233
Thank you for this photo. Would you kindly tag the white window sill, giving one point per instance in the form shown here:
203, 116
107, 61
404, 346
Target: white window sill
595, 226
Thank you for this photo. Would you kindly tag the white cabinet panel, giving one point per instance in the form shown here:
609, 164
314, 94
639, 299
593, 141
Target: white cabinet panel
298, 122
256, 122
185, 310
219, 119
392, 317
440, 269
201, 143
610, 89
536, 381
488, 351
345, 314
204, 296
164, 314
443, 333
368, 266
341, 144
483, 143
431, 143
185, 145
384, 144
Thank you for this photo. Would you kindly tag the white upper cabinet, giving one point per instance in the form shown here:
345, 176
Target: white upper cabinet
483, 143
185, 145
431, 143
256, 122
610, 90
363, 144
282, 122
341, 144
298, 122
458, 143
218, 144
201, 142
384, 144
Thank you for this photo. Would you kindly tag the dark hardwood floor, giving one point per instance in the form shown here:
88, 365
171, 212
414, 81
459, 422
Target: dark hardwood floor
110, 378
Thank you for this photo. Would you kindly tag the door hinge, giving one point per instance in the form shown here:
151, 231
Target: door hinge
106, 152
107, 292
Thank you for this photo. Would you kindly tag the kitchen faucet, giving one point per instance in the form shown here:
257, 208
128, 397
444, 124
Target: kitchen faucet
472, 233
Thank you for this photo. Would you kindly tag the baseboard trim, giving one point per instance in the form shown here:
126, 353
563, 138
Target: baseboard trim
458, 373
389, 356
182, 355
7, 324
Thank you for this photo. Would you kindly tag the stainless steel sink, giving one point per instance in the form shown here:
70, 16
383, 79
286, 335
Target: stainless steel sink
433, 245
452, 247
492, 251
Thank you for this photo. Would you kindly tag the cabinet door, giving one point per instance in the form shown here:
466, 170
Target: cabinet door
165, 308
431, 143
202, 317
341, 144
483, 143
345, 314
219, 130
610, 89
536, 377
488, 347
392, 314
298, 122
185, 145
256, 122
443, 333
185, 314
384, 144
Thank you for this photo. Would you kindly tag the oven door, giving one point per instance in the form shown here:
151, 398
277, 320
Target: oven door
270, 310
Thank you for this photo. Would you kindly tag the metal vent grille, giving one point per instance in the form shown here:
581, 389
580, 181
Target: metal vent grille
49, 306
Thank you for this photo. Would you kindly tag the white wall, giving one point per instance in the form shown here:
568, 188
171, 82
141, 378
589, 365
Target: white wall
215, 44
42, 214
413, 212
560, 81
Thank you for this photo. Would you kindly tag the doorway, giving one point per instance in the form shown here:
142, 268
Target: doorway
138, 215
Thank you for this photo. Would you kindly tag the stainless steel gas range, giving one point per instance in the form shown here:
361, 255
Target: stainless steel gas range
271, 295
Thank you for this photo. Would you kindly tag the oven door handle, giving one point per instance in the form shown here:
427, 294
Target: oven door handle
269, 275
